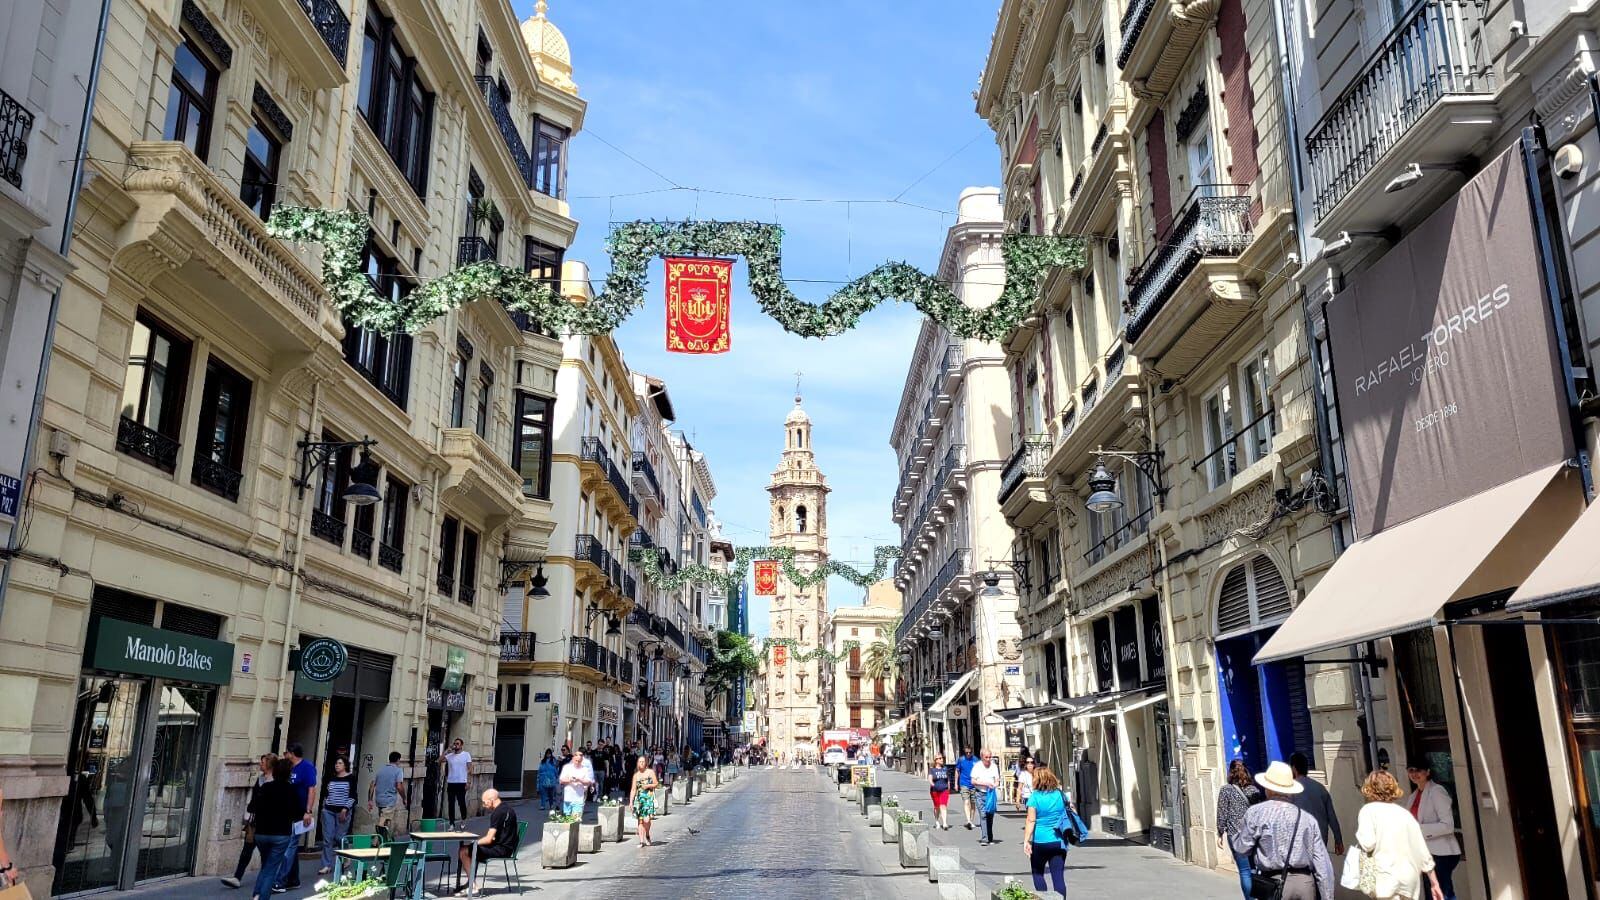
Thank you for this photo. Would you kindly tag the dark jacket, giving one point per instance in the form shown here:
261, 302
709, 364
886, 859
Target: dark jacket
276, 807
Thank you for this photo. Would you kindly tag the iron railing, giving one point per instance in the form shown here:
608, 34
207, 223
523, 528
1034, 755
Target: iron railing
508, 127
330, 22
1120, 535
446, 583
591, 449
219, 478
361, 543
673, 632
1214, 221
1133, 22
954, 356
1436, 52
518, 646
1026, 461
15, 125
584, 651
473, 248
959, 563
642, 467
147, 444
391, 557
327, 527
1223, 460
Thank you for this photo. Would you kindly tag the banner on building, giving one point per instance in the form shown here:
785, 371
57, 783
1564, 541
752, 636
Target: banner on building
1104, 668
766, 578
1125, 623
780, 654
455, 668
1155, 651
699, 297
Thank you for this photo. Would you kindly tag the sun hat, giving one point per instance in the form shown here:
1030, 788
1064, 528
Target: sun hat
1279, 779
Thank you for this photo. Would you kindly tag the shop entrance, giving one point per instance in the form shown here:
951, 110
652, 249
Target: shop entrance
509, 739
1516, 712
1264, 714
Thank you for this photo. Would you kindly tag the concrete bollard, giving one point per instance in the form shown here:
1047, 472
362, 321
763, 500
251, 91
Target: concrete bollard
588, 838
844, 792
559, 848
852, 793
942, 859
663, 801
680, 791
913, 845
958, 884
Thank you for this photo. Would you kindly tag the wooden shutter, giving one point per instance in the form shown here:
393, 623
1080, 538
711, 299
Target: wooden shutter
1048, 373
1272, 595
1233, 606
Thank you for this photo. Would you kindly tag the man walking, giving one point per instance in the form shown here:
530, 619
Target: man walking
1315, 800
1282, 840
458, 767
576, 779
303, 775
985, 782
964, 782
388, 792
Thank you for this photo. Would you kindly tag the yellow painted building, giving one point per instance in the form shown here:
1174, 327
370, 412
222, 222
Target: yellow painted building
852, 698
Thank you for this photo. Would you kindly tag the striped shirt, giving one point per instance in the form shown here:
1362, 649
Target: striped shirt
340, 792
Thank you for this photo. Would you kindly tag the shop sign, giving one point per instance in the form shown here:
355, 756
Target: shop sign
555, 714
126, 647
609, 715
455, 667
929, 694
541, 697
1014, 736
1125, 622
1103, 656
323, 659
1447, 374
10, 496
492, 697
1155, 650
305, 687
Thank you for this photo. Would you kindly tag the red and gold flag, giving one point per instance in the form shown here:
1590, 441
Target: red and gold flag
780, 654
766, 579
699, 297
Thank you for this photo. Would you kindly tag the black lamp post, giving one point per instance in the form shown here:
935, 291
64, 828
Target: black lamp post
363, 487
1103, 496
613, 623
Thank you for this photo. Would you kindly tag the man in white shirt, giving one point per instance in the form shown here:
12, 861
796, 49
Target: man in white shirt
576, 779
458, 767
985, 778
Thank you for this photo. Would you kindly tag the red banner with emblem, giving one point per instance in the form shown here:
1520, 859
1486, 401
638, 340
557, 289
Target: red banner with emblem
780, 654
699, 297
766, 579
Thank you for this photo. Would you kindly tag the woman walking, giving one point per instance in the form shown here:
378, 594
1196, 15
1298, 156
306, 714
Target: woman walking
1044, 839
1395, 854
643, 798
338, 804
1025, 775
548, 787
274, 809
939, 788
1233, 801
1430, 805
266, 762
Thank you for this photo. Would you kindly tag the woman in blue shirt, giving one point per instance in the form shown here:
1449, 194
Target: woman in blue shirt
1044, 841
548, 774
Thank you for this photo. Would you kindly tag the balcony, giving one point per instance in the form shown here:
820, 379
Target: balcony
950, 370
15, 125
473, 249
361, 543
1192, 287
446, 583
1099, 415
584, 651
391, 557
518, 646
314, 36
951, 584
218, 478
673, 633
508, 127
644, 480
598, 471
479, 479
147, 444
1157, 38
328, 527
1426, 97
1024, 495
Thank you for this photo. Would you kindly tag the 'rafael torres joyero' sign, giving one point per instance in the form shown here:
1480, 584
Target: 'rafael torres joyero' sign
1444, 354
126, 647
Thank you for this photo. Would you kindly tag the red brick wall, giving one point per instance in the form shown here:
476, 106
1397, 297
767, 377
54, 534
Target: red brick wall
1237, 98
1155, 136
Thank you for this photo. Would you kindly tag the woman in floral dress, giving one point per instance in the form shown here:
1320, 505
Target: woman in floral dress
643, 798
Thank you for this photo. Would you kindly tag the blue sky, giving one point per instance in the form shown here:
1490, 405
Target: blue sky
824, 99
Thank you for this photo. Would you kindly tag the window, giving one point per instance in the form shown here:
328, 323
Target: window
1035, 400
458, 392
549, 159
396, 105
1217, 412
392, 537
485, 55
800, 520
152, 393
327, 513
384, 360
485, 393
1253, 391
258, 187
1202, 160
530, 455
1253, 596
449, 536
219, 452
191, 99
469, 566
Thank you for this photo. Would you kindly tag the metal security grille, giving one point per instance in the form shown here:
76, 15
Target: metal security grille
115, 604
184, 620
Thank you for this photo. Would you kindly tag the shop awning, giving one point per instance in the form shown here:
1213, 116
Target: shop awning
1570, 572
1398, 579
960, 684
1104, 704
1033, 715
894, 727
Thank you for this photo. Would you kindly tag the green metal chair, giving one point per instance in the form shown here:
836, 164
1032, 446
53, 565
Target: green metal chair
397, 874
509, 869
360, 842
430, 854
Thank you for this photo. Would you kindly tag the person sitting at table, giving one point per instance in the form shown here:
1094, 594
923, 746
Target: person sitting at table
499, 842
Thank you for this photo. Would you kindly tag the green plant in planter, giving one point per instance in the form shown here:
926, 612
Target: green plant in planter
561, 818
891, 802
1014, 891
906, 818
484, 210
610, 801
346, 890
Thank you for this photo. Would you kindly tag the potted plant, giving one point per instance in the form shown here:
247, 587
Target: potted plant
913, 841
891, 825
610, 815
559, 848
349, 890
484, 210
1011, 890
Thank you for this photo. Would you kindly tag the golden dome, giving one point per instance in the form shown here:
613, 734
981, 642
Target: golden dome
547, 46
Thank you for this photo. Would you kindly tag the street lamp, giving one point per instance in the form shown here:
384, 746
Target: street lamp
1103, 496
991, 578
363, 487
1102, 489
613, 623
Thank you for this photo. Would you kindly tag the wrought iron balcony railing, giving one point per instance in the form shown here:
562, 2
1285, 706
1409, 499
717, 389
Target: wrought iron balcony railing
1133, 22
446, 583
15, 125
1436, 52
1026, 461
216, 477
147, 444
327, 527
473, 248
584, 651
391, 557
642, 468
361, 543
507, 125
518, 646
330, 22
1214, 221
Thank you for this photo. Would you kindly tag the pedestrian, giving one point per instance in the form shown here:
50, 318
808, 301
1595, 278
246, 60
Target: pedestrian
642, 798
969, 797
1394, 853
939, 789
1044, 839
986, 781
1283, 842
1431, 806
458, 769
1233, 801
1026, 773
672, 767
338, 806
549, 787
576, 779
303, 775
387, 793
1317, 802
499, 842
274, 811
8, 869
266, 762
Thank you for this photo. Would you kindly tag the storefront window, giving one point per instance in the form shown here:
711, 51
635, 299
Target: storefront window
1422, 701
1577, 649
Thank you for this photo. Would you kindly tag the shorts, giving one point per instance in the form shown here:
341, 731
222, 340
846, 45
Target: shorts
971, 793
575, 808
494, 851
388, 816
940, 798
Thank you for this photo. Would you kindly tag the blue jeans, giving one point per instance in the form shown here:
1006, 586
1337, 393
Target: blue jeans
333, 831
275, 849
549, 796
1242, 860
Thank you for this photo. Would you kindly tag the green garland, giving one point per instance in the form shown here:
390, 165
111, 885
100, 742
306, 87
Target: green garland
750, 659
648, 560
633, 245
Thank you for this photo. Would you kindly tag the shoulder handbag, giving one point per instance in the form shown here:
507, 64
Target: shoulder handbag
1269, 885
1072, 829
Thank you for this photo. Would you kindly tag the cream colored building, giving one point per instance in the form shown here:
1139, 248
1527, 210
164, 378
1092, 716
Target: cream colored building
949, 435
177, 513
1180, 352
850, 698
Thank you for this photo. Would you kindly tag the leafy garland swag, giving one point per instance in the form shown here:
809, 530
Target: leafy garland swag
633, 245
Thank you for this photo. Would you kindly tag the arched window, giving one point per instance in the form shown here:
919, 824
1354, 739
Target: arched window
1253, 596
800, 519
783, 515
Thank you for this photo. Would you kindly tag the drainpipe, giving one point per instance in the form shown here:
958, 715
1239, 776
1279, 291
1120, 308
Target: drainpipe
1179, 741
296, 578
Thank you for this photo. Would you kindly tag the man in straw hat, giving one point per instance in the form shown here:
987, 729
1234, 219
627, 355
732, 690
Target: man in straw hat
1284, 842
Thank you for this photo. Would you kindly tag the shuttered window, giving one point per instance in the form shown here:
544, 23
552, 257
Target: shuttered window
1254, 595
1233, 608
1272, 595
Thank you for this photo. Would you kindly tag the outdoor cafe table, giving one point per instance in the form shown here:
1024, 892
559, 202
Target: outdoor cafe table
374, 854
462, 836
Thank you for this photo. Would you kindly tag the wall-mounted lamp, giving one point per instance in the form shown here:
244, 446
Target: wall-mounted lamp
613, 623
363, 487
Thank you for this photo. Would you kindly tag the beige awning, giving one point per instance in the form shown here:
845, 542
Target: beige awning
1399, 578
938, 706
896, 727
1570, 572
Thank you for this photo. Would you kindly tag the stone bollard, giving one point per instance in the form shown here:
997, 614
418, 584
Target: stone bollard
611, 823
891, 826
716, 778
874, 816
588, 838
630, 822
942, 859
852, 793
680, 791
958, 884
663, 801
913, 845
844, 791
559, 847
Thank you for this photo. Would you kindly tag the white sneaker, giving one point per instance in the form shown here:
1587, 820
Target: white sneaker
230, 881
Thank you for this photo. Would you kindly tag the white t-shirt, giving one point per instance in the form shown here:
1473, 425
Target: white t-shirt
574, 791
458, 764
1025, 783
985, 776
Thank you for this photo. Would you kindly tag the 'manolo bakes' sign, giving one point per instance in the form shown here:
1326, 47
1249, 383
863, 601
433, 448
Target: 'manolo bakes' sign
699, 296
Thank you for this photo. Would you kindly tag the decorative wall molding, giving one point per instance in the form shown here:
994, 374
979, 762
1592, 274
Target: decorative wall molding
1246, 508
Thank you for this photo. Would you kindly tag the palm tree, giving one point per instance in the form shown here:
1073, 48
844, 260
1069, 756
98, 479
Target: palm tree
880, 659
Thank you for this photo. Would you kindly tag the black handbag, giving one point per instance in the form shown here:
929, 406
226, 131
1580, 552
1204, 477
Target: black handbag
1269, 885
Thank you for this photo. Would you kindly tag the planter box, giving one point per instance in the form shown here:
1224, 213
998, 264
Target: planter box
958, 884
559, 847
680, 791
891, 826
1042, 895
844, 791
611, 823
913, 845
874, 816
588, 838
663, 801
941, 860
